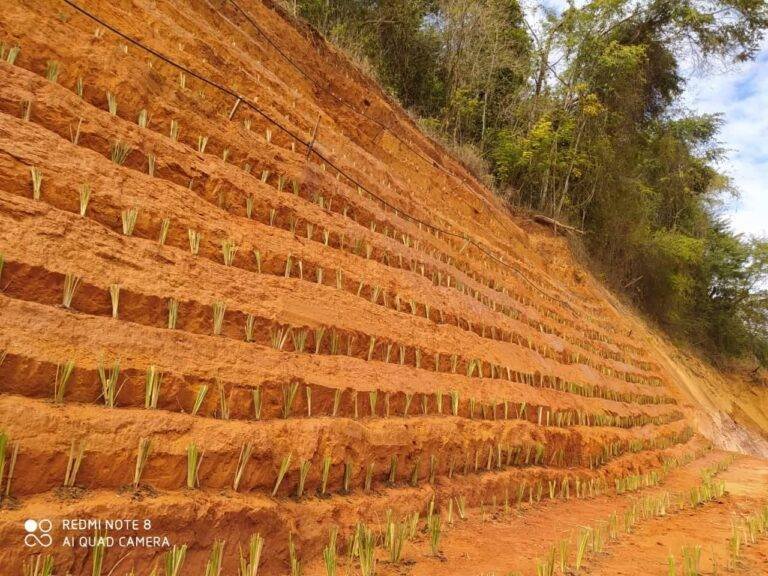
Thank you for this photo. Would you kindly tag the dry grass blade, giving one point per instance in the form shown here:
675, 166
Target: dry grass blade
145, 447
63, 374
284, 464
242, 462
76, 452
249, 565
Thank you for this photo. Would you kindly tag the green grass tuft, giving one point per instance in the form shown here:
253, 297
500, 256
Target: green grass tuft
249, 565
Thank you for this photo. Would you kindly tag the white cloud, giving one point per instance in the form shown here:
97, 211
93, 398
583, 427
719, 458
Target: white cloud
741, 95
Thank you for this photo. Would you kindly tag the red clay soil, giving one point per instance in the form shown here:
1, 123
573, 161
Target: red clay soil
299, 315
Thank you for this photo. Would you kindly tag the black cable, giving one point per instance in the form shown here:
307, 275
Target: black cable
383, 127
314, 150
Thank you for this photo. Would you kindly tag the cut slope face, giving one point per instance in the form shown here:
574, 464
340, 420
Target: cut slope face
243, 295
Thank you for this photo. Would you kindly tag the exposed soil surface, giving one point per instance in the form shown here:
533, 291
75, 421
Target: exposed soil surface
179, 276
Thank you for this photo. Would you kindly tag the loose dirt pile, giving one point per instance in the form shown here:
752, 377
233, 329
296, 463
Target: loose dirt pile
241, 294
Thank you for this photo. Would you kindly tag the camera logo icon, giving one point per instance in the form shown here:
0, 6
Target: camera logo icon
38, 533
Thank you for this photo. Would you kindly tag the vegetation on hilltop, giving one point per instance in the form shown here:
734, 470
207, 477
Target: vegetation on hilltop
576, 115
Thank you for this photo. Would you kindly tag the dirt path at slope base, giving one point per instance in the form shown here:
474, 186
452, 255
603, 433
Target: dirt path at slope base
512, 543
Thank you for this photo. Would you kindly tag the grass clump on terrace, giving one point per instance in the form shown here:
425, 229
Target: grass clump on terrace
52, 70
76, 453
242, 462
63, 374
194, 460
145, 447
40, 565
174, 560
37, 182
5, 461
284, 465
152, 387
109, 379
120, 151
249, 563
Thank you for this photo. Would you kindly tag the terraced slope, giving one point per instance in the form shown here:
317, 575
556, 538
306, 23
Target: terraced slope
242, 294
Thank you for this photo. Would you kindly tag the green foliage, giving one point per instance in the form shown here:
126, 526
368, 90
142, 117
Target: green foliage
576, 117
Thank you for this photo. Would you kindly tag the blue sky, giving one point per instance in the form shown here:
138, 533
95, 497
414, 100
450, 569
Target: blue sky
740, 94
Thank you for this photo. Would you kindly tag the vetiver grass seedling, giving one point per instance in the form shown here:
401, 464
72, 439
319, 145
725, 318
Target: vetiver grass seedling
114, 296
325, 472
435, 529
223, 404
151, 162
174, 560
74, 135
242, 462
163, 234
37, 182
202, 142
152, 387
329, 552
145, 447
394, 539
6, 479
299, 338
76, 452
256, 394
691, 560
120, 151
581, 547
143, 118
393, 469
174, 134
366, 542
194, 241
173, 313
97, 554
26, 110
199, 399
293, 557
63, 374
109, 390
111, 103
12, 55
228, 250
249, 566
336, 402
52, 70
213, 566
303, 472
194, 459
128, 218
39, 566
219, 309
85, 197
461, 507
284, 464
289, 395
369, 477
347, 476
415, 471
250, 321
257, 257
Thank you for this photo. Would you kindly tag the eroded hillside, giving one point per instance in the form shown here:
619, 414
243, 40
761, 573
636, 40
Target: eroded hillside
242, 294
